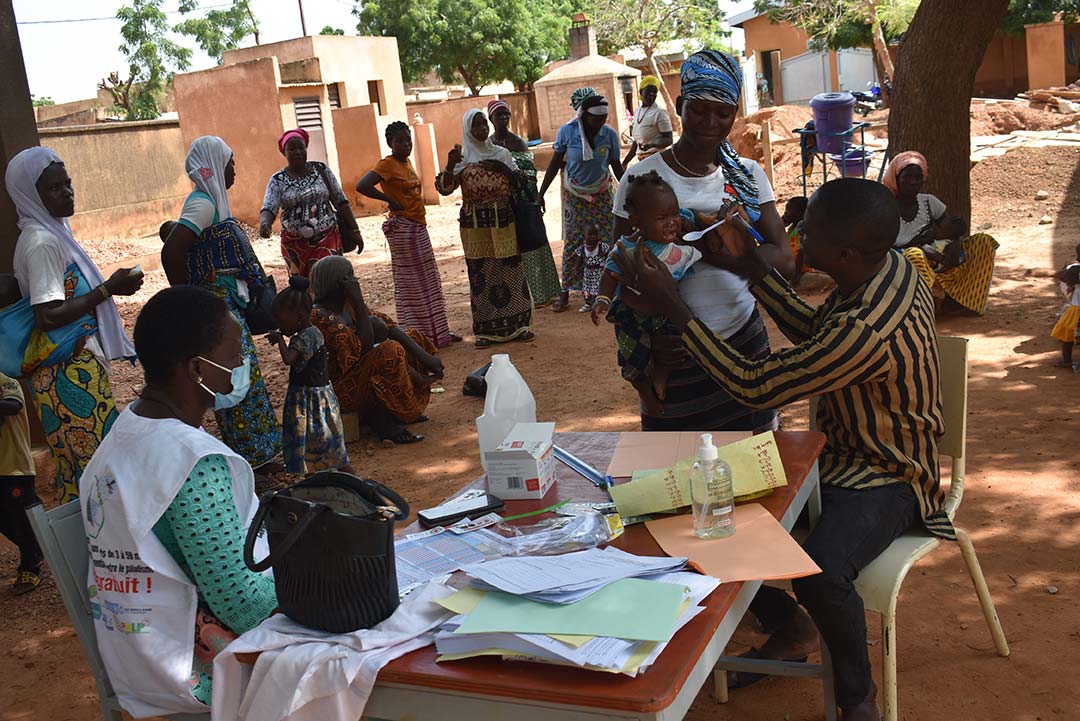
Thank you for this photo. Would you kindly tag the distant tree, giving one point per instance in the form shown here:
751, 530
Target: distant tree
43, 101
151, 57
1027, 12
837, 24
331, 30
935, 74
220, 29
645, 24
479, 41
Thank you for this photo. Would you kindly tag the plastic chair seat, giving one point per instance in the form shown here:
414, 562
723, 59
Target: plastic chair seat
879, 582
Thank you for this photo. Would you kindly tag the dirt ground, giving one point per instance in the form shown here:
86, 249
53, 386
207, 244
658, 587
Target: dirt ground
1021, 506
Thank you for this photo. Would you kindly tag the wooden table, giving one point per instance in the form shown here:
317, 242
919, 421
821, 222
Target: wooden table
490, 689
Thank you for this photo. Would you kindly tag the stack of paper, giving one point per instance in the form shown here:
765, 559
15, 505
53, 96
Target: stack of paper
568, 578
622, 628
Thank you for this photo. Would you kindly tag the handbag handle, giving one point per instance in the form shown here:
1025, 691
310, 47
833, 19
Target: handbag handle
309, 517
399, 502
321, 169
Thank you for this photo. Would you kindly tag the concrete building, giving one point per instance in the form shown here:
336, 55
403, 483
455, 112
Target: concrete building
586, 68
343, 90
1045, 55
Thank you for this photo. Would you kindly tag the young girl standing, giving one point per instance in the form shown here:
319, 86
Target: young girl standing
311, 430
418, 296
1066, 326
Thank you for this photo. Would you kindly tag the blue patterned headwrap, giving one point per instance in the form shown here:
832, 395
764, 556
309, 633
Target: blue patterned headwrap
716, 77
580, 95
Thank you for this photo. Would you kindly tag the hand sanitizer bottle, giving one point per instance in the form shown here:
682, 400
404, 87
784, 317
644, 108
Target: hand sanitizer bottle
712, 498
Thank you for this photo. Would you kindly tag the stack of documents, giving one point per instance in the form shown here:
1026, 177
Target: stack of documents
568, 578
621, 628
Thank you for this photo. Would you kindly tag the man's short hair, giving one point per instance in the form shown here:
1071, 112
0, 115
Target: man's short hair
856, 213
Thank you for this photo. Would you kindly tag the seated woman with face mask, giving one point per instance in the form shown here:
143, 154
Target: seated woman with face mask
166, 508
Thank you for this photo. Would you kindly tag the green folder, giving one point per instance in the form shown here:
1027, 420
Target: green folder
630, 608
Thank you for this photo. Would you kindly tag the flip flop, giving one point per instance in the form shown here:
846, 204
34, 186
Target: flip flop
526, 337
482, 343
560, 303
404, 437
742, 679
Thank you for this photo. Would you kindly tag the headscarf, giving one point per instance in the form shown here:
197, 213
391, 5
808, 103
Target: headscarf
206, 161
326, 275
473, 150
715, 77
21, 178
497, 105
901, 161
289, 135
649, 81
586, 101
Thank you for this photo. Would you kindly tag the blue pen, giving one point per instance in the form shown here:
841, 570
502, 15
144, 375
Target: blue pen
750, 229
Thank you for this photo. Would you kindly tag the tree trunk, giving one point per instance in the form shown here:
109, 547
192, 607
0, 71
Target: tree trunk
676, 123
468, 78
931, 102
881, 53
254, 22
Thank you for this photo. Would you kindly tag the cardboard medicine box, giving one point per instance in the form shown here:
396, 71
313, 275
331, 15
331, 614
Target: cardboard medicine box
523, 466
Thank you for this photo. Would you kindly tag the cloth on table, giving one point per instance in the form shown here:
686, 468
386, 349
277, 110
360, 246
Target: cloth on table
307, 675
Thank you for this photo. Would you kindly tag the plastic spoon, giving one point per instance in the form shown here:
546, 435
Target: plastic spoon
696, 235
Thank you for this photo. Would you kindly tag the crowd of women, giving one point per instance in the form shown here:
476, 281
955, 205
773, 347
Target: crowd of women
196, 345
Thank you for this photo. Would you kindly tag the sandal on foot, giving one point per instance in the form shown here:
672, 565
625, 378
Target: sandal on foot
482, 343
404, 437
560, 303
526, 337
742, 679
25, 583
455, 338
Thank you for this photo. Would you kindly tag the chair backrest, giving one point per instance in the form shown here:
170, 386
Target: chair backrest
953, 363
62, 537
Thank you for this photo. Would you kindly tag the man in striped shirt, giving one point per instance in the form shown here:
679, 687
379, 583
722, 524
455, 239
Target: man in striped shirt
870, 353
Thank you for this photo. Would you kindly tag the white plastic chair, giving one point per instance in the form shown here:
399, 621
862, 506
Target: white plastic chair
62, 538
879, 583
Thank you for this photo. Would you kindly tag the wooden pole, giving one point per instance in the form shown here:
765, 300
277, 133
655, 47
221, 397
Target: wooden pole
766, 149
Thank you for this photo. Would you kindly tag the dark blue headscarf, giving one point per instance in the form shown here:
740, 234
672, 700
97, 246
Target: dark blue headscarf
716, 77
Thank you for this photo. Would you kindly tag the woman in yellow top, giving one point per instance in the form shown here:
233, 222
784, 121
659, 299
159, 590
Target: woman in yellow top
418, 296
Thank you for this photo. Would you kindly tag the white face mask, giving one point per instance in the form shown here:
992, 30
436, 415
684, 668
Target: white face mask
241, 381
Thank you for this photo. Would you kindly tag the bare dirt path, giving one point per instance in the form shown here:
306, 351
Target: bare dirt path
1021, 507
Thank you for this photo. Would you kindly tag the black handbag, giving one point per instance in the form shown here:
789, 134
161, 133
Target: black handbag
529, 224
259, 312
351, 238
476, 382
332, 550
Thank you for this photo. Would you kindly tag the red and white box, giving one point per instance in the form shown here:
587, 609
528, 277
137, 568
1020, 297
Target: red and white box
523, 466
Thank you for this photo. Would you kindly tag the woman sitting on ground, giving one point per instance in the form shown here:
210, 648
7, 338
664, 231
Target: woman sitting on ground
377, 370
958, 267
173, 503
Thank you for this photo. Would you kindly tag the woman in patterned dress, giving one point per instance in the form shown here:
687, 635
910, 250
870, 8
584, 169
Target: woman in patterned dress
377, 369
499, 293
307, 195
208, 248
958, 267
64, 286
540, 268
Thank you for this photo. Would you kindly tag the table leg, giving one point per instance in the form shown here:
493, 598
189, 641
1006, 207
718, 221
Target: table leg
813, 504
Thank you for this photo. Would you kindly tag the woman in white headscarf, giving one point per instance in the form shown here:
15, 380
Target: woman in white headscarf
487, 174
209, 248
64, 288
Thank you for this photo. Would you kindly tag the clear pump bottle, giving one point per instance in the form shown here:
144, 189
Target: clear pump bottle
712, 498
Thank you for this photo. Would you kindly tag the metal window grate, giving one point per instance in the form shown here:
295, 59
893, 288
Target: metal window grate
308, 113
335, 96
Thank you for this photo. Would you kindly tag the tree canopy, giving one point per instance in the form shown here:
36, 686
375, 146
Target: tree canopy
1026, 12
477, 41
152, 58
331, 30
220, 29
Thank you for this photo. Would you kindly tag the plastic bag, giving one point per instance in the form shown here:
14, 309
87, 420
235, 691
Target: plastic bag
561, 534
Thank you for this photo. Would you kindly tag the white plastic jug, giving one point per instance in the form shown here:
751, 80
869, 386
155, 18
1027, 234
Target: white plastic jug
507, 403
